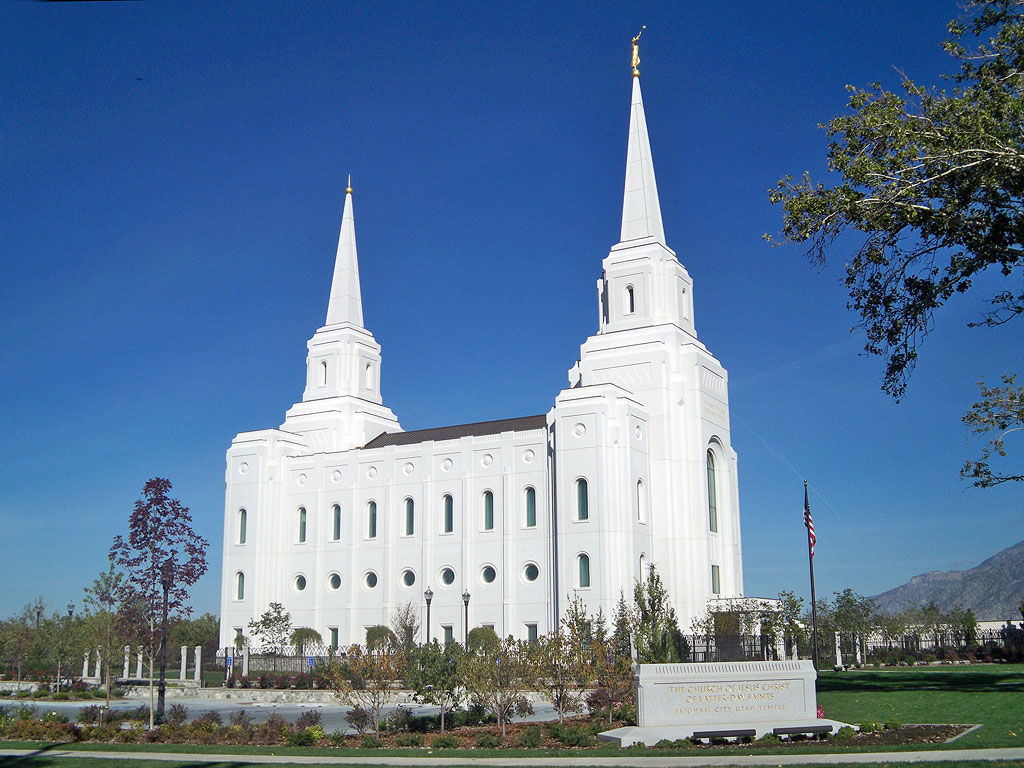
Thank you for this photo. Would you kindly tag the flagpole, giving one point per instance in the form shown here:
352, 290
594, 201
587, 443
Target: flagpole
814, 603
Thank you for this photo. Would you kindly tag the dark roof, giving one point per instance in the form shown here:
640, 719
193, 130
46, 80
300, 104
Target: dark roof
519, 424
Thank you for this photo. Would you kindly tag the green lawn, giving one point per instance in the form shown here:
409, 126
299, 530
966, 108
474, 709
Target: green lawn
991, 694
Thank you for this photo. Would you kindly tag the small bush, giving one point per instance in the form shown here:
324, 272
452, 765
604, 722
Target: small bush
576, 736
338, 738
665, 744
53, 716
893, 725
177, 714
397, 719
488, 741
359, 719
409, 740
241, 719
369, 741
445, 741
316, 731
25, 712
845, 733
768, 739
274, 728
309, 718
89, 714
300, 739
23, 694
531, 737
870, 727
61, 696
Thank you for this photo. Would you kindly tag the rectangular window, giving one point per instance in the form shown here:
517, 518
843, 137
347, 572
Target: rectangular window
531, 508
371, 522
449, 514
582, 501
716, 585
410, 517
336, 514
239, 637
488, 511
334, 638
531, 633
448, 636
302, 525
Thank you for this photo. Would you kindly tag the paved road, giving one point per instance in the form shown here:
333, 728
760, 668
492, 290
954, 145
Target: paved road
332, 715
628, 761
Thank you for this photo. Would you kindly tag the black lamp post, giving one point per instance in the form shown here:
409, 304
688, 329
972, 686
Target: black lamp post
465, 602
428, 595
71, 609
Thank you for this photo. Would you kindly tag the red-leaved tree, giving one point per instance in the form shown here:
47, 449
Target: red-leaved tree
162, 557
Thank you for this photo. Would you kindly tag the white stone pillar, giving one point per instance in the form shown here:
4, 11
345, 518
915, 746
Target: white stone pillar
184, 662
856, 645
245, 661
85, 665
199, 662
99, 666
780, 648
138, 665
796, 652
839, 652
124, 669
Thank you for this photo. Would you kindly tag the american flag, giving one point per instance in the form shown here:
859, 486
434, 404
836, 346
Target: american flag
808, 522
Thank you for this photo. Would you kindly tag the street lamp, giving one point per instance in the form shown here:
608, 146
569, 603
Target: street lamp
465, 601
428, 595
71, 609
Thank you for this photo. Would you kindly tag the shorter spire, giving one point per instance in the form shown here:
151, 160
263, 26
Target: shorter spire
641, 211
346, 304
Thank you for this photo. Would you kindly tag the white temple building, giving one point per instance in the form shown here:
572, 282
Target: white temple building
342, 516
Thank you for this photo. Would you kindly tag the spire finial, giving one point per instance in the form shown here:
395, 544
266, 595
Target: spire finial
636, 52
348, 189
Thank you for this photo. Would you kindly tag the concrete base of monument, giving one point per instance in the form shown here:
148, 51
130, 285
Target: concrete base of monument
651, 735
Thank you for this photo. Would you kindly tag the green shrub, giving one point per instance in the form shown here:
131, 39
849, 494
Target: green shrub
300, 739
23, 694
531, 737
664, 744
893, 725
240, 719
53, 716
316, 731
445, 741
845, 733
576, 736
61, 696
869, 727
488, 741
409, 740
308, 718
769, 739
177, 714
338, 738
369, 741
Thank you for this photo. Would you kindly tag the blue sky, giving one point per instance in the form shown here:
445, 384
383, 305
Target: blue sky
173, 178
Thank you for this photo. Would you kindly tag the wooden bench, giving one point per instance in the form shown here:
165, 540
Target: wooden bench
737, 733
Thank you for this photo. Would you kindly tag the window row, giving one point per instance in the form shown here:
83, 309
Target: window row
530, 573
409, 527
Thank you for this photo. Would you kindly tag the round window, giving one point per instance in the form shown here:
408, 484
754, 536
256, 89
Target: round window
335, 581
300, 583
488, 574
531, 572
408, 578
448, 576
371, 580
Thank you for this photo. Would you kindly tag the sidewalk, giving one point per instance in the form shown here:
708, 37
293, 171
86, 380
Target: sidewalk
630, 761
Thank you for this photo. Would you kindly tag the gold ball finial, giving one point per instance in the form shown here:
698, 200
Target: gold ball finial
348, 189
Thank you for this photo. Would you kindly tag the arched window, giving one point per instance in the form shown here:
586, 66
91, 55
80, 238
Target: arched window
410, 517
583, 561
641, 502
239, 586
643, 567
336, 521
582, 502
242, 515
630, 300
323, 373
371, 520
368, 376
449, 514
712, 494
302, 524
488, 511
531, 508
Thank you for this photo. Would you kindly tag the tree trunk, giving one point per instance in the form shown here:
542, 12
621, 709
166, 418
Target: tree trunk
162, 692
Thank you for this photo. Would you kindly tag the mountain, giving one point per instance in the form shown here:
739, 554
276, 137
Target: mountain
993, 590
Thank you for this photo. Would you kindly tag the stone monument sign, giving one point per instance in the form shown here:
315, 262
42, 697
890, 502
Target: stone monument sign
731, 699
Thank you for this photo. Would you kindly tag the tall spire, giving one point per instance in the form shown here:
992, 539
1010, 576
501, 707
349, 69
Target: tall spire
641, 211
346, 305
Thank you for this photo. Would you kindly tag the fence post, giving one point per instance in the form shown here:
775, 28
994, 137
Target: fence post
182, 675
245, 662
127, 653
199, 661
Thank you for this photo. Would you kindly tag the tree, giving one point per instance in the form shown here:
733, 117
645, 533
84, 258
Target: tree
162, 558
613, 675
932, 184
203, 631
379, 637
482, 640
1001, 411
564, 660
654, 625
405, 622
784, 619
497, 681
273, 628
622, 644
104, 626
434, 676
366, 678
304, 637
